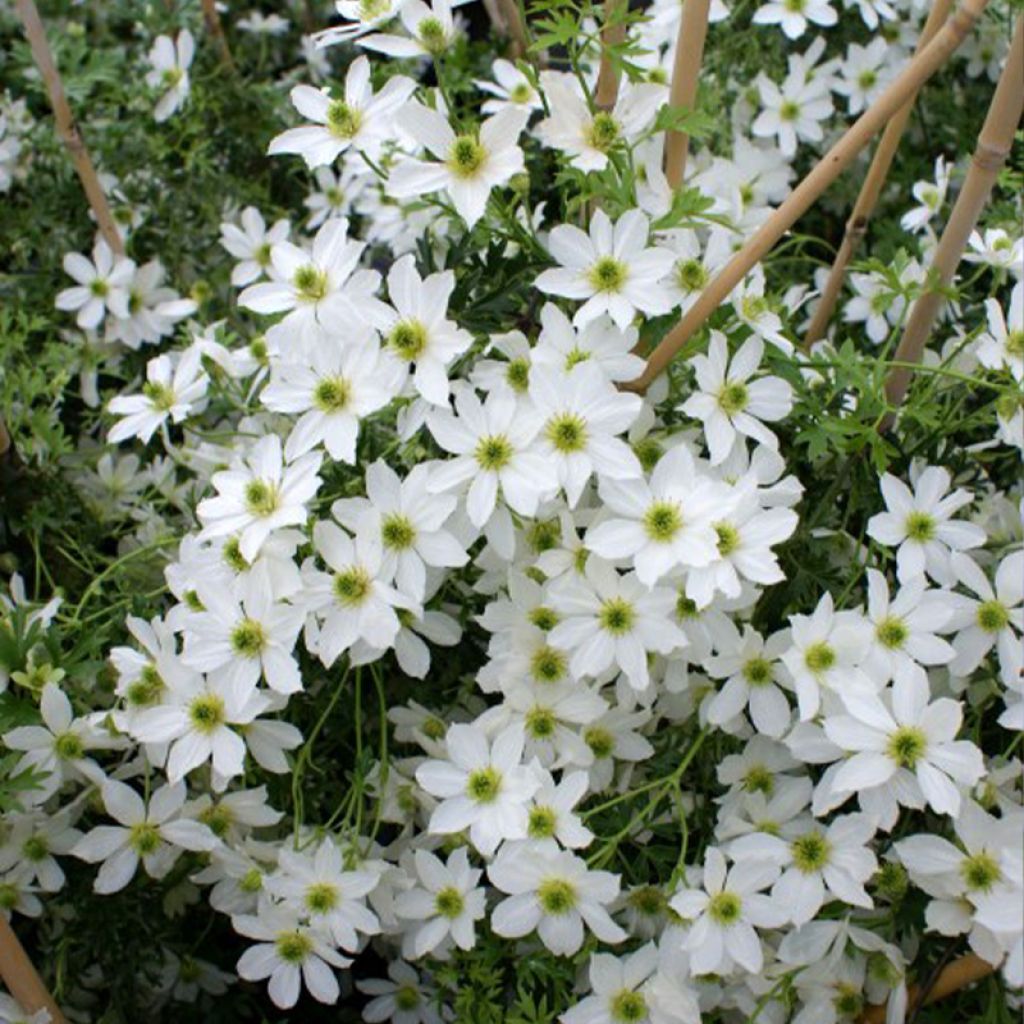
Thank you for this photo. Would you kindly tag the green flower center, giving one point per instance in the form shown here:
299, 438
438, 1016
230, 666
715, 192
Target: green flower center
992, 616
252, 881
99, 288
432, 37
408, 339
686, 608
466, 157
332, 394
604, 132
172, 76
342, 120
541, 723
608, 275
207, 713
543, 618
616, 616
759, 780
261, 498
517, 375
648, 451
1015, 343
310, 283
9, 896
321, 897
810, 852
691, 275
789, 111
232, 555
160, 396
920, 527
484, 785
542, 823
576, 356
35, 848
819, 657
248, 638
449, 902
143, 838
628, 1007
867, 78
648, 900
892, 633
146, 690
757, 671
352, 586
547, 665
262, 255
556, 896
725, 908
980, 872
520, 93
433, 728
663, 521
847, 1001
218, 819
907, 745
68, 747
494, 452
407, 998
567, 432
600, 741
728, 538
397, 532
293, 947
733, 398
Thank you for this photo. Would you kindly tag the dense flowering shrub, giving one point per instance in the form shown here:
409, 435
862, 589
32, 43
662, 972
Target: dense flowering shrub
370, 643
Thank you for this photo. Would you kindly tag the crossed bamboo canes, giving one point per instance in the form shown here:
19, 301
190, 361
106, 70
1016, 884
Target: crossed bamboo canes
920, 68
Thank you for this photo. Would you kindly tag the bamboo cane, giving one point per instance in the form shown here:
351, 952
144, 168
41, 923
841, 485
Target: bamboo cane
67, 129
514, 27
874, 182
213, 25
612, 34
21, 978
496, 17
994, 142
917, 71
955, 976
693, 30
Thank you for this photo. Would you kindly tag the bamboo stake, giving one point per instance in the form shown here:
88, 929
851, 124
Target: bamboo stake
67, 129
994, 142
515, 29
955, 976
612, 34
21, 978
693, 30
213, 25
874, 182
917, 71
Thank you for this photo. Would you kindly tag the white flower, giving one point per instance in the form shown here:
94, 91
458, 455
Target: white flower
793, 15
11, 1011
448, 902
468, 166
729, 403
865, 73
511, 87
921, 524
404, 999
551, 812
102, 285
608, 619
363, 119
588, 137
343, 380
930, 196
484, 786
431, 27
996, 249
31, 845
1002, 345
725, 912
259, 494
662, 525
612, 268
252, 243
553, 892
899, 738
170, 62
173, 390
155, 834
792, 112
289, 953
561, 347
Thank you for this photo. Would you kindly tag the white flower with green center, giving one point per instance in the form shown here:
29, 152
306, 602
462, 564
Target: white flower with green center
260, 493
511, 88
903, 741
921, 524
467, 166
252, 242
202, 720
664, 524
561, 348
819, 863
290, 953
587, 136
607, 619
611, 268
169, 62
431, 28
729, 403
360, 119
1001, 347
993, 618
245, 637
793, 16
551, 814
174, 389
552, 892
335, 387
793, 111
930, 196
361, 16
580, 418
722, 916
32, 842
59, 747
320, 888
419, 334
492, 444
749, 666
405, 998
101, 286
448, 901
484, 786
155, 834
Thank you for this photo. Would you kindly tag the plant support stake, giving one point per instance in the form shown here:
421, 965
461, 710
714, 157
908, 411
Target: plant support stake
835, 161
693, 30
213, 25
874, 182
66, 127
994, 142
22, 979
612, 34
